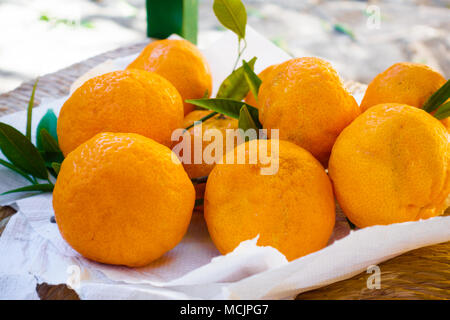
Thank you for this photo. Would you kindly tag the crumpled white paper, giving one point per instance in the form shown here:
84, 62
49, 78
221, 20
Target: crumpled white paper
32, 251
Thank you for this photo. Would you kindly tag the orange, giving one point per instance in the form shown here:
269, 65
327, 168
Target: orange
180, 62
292, 210
391, 165
306, 100
406, 83
133, 101
218, 122
446, 122
264, 76
124, 199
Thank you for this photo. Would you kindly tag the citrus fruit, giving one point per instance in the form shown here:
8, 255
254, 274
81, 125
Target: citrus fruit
305, 99
180, 62
216, 125
122, 198
404, 82
264, 76
220, 123
391, 165
292, 209
133, 101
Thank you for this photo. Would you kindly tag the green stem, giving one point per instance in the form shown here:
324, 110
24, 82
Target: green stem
212, 114
240, 52
30, 110
17, 170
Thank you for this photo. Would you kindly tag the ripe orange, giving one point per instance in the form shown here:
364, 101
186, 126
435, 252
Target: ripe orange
122, 101
406, 83
220, 123
180, 62
292, 210
391, 165
121, 199
264, 76
306, 100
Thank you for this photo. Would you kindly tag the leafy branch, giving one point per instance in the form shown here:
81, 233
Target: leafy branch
228, 101
229, 98
34, 163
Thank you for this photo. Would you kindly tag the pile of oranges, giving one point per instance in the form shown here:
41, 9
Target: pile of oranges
123, 197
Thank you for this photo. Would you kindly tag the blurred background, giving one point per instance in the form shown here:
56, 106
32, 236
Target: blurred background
361, 38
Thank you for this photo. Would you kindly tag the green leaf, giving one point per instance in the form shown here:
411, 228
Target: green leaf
30, 110
48, 122
235, 85
228, 107
51, 157
21, 152
344, 30
437, 98
443, 112
232, 15
87, 24
49, 144
247, 122
44, 17
253, 81
56, 166
15, 169
44, 187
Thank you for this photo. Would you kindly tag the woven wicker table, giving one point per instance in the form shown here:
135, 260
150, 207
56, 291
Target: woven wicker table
420, 274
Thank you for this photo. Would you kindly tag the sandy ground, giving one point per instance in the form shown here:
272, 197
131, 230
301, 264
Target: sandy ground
42, 36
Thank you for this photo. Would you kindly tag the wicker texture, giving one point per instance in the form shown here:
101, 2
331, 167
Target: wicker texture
419, 274
57, 84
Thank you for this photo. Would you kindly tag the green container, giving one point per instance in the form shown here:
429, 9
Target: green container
165, 17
